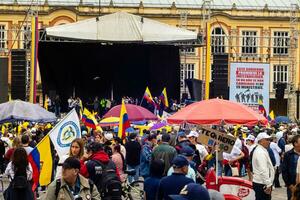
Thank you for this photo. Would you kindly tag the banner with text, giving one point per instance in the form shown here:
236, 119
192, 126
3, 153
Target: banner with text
249, 84
210, 137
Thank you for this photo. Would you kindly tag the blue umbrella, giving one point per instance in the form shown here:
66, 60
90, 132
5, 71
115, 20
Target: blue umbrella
20, 110
282, 119
128, 130
138, 122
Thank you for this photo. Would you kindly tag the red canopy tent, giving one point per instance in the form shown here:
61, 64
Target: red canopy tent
135, 113
217, 112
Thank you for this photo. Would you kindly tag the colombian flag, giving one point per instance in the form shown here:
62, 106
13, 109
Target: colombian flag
40, 159
164, 98
124, 122
148, 96
261, 108
89, 119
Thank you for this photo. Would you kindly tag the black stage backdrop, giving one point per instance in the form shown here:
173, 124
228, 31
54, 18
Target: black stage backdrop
127, 68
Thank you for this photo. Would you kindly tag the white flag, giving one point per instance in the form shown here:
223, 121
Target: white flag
65, 132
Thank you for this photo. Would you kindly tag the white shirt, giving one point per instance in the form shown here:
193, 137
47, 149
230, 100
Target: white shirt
276, 150
250, 148
288, 147
298, 166
10, 172
8, 141
28, 149
235, 152
70, 102
123, 150
59, 168
263, 170
202, 151
49, 101
279, 135
238, 143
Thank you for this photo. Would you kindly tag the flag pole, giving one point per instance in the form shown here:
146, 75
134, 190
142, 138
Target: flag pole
217, 162
208, 67
142, 100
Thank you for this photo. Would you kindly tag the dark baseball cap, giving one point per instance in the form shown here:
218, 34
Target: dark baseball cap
152, 136
71, 163
94, 147
187, 151
181, 134
165, 137
132, 135
192, 191
180, 161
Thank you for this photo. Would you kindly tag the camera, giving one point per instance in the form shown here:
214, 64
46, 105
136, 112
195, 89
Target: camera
77, 197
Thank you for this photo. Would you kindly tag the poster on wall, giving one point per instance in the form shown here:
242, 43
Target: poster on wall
249, 84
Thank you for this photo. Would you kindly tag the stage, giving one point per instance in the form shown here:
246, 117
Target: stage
117, 55
91, 69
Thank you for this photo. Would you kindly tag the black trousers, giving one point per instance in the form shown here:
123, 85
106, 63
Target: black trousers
259, 192
276, 178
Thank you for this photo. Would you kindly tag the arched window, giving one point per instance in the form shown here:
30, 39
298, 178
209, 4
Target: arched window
218, 41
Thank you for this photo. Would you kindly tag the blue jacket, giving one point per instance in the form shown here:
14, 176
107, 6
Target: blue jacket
272, 156
172, 185
289, 166
281, 144
145, 160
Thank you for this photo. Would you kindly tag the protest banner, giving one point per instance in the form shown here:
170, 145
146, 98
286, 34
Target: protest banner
210, 137
249, 84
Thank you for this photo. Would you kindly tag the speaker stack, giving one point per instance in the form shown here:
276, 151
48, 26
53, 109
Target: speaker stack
3, 80
195, 88
219, 84
18, 74
279, 92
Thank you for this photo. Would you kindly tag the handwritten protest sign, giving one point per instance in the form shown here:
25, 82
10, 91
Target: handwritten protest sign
210, 137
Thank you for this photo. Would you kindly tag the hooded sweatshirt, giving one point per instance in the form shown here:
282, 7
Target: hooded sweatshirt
100, 156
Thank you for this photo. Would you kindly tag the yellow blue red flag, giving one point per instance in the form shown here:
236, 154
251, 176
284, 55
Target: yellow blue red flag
40, 159
89, 119
164, 98
124, 121
261, 108
148, 96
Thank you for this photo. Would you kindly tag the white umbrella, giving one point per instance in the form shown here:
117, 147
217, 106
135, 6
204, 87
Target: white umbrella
20, 110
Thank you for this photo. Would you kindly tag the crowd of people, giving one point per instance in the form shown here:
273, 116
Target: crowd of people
102, 105
173, 165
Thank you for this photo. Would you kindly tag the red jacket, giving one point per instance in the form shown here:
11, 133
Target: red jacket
99, 156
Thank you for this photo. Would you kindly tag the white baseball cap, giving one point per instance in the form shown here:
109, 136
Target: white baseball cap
193, 134
281, 128
294, 130
245, 129
83, 133
262, 135
108, 136
250, 137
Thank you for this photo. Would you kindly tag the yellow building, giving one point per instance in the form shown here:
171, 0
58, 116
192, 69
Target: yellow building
259, 32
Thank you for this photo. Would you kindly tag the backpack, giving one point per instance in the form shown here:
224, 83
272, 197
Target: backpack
19, 182
19, 188
105, 178
250, 159
245, 150
58, 184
